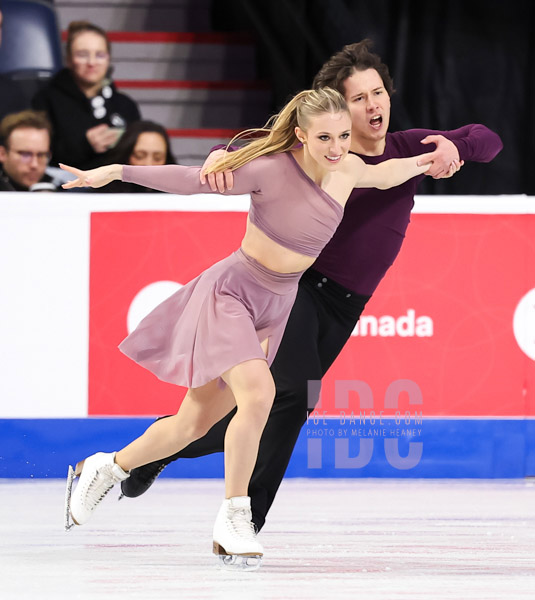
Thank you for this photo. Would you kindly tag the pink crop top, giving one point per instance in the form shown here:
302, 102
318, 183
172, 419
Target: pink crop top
286, 204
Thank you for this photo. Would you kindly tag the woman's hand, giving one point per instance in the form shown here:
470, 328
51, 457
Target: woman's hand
94, 178
425, 160
454, 167
218, 182
102, 137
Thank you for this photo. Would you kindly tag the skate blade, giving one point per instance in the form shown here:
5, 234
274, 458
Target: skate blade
69, 523
237, 562
71, 474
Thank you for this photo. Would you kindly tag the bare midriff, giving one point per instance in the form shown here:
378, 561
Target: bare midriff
272, 255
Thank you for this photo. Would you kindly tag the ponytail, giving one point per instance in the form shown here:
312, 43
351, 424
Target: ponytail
278, 134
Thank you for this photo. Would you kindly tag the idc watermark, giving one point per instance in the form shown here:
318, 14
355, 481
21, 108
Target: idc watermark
351, 436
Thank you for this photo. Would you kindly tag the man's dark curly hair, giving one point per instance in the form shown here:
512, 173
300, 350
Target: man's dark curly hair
353, 57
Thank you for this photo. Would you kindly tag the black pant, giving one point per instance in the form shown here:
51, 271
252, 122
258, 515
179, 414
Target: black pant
322, 319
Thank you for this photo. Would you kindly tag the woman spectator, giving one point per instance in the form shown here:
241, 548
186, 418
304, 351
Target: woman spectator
87, 112
143, 143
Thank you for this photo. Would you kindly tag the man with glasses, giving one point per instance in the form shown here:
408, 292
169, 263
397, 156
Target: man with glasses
25, 152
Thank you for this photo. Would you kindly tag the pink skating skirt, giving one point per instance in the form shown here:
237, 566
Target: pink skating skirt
215, 322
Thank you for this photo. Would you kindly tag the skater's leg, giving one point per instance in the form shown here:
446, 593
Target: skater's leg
253, 389
213, 441
296, 362
201, 408
320, 324
143, 477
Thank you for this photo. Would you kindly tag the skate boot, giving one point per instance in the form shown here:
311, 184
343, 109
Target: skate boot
98, 474
141, 478
234, 536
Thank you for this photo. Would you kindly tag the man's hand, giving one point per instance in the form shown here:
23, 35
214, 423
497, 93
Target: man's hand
101, 137
445, 157
218, 182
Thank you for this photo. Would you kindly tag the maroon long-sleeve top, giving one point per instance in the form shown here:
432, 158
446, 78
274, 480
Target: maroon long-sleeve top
372, 231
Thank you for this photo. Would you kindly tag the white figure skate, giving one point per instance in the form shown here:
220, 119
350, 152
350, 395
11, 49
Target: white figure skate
234, 536
98, 474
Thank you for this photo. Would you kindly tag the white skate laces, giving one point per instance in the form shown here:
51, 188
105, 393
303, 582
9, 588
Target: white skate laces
98, 474
234, 535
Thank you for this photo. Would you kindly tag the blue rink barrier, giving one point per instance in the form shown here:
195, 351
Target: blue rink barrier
430, 448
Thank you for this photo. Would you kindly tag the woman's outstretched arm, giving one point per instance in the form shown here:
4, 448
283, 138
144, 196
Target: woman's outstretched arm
389, 173
175, 179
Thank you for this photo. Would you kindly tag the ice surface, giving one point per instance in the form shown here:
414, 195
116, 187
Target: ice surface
359, 538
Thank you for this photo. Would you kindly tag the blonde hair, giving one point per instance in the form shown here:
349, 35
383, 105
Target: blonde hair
279, 131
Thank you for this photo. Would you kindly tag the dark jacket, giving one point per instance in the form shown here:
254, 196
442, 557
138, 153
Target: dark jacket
8, 185
15, 95
72, 114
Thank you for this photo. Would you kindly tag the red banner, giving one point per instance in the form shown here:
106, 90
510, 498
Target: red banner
449, 332
443, 319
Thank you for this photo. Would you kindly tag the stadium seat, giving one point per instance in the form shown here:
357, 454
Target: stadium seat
30, 52
31, 41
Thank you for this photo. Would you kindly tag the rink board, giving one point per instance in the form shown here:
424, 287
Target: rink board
435, 448
447, 341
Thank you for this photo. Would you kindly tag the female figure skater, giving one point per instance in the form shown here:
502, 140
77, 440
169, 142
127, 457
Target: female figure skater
219, 333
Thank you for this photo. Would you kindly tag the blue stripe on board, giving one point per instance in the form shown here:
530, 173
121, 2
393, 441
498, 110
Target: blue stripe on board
465, 448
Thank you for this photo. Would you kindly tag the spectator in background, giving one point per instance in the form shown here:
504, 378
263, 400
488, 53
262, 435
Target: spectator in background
87, 112
143, 143
25, 152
